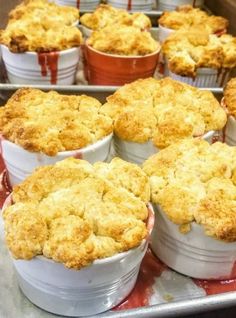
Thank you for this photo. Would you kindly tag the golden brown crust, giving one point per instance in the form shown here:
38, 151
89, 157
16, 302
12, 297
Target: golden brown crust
105, 15
193, 181
230, 97
41, 9
187, 16
51, 122
123, 40
186, 51
39, 26
163, 111
78, 213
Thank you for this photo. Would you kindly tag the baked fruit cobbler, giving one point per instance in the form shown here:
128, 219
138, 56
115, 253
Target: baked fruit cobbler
188, 50
123, 40
186, 17
52, 122
40, 26
106, 15
193, 181
75, 213
164, 111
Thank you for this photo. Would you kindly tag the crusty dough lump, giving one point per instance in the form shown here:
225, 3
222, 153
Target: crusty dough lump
52, 122
75, 213
163, 111
193, 181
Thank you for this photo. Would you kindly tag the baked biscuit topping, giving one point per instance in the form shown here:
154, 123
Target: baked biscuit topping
106, 15
163, 111
186, 17
39, 26
193, 181
75, 213
230, 97
186, 51
36, 10
123, 40
51, 122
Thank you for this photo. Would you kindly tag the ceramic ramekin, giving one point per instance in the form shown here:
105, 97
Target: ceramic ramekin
139, 152
86, 31
80, 4
89, 291
134, 5
41, 68
111, 69
206, 77
170, 5
20, 162
193, 254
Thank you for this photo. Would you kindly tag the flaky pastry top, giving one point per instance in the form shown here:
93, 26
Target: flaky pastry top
230, 97
163, 111
193, 181
52, 122
123, 40
36, 10
186, 17
39, 26
186, 51
75, 213
105, 15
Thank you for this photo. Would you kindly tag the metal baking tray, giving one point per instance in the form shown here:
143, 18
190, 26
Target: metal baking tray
186, 297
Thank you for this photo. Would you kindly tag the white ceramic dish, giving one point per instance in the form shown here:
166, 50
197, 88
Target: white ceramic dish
80, 4
164, 33
41, 68
86, 31
229, 132
134, 5
206, 77
170, 5
139, 152
89, 291
193, 254
20, 162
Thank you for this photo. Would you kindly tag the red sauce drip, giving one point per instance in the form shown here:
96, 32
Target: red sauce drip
129, 6
213, 287
223, 134
78, 155
42, 62
49, 61
78, 3
150, 268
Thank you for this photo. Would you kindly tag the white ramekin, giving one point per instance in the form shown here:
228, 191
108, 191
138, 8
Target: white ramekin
134, 5
25, 68
83, 5
170, 5
229, 132
139, 152
164, 33
206, 77
193, 254
20, 163
86, 31
89, 291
